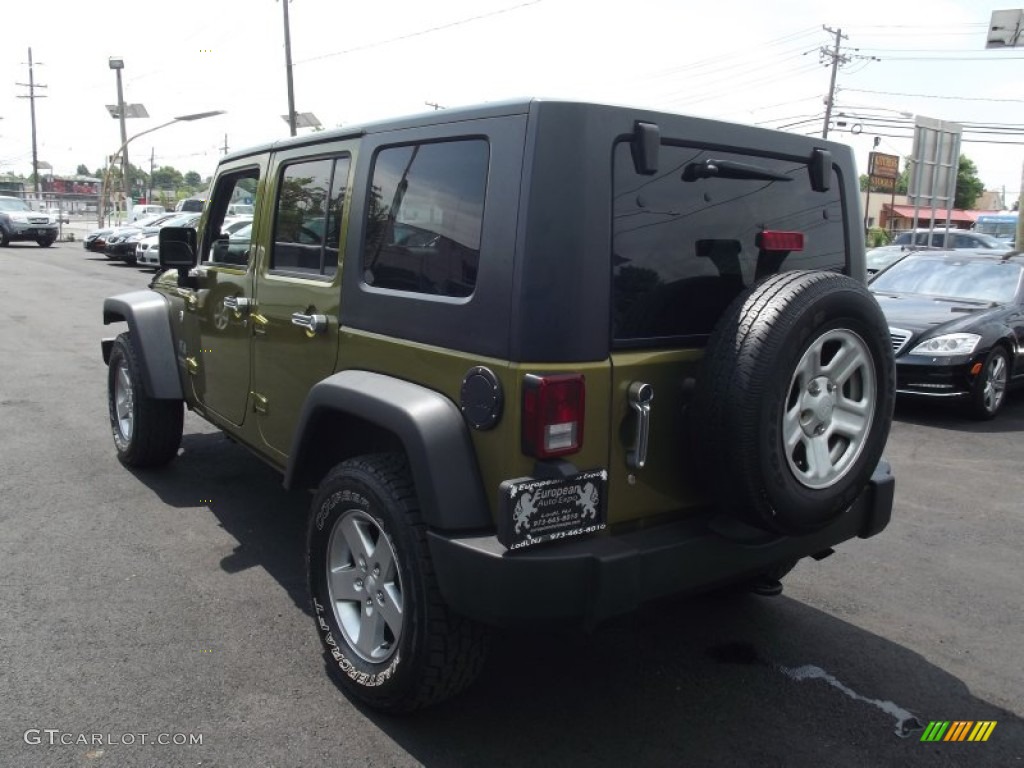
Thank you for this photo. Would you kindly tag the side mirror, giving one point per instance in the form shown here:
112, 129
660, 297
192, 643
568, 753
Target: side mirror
178, 248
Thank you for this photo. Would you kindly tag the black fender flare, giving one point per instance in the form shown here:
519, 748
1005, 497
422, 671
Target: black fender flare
430, 428
148, 316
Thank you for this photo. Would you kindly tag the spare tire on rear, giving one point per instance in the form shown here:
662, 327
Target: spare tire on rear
794, 401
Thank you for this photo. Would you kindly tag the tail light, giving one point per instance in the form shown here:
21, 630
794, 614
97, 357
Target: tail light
552, 415
780, 241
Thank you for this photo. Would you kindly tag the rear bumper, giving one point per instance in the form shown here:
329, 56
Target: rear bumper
591, 579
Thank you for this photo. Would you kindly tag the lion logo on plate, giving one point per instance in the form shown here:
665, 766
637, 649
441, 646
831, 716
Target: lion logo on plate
524, 510
588, 498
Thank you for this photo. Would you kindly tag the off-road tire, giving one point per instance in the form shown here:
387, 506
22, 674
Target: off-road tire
156, 425
989, 391
751, 396
437, 653
45, 242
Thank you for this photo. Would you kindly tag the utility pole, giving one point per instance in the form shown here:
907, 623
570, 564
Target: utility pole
288, 69
837, 59
225, 147
149, 194
32, 96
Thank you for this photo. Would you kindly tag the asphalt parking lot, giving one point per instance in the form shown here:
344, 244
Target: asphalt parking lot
172, 605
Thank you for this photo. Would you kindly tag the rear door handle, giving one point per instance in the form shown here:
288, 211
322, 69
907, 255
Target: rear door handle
640, 397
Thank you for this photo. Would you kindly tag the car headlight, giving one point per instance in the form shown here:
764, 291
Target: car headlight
948, 345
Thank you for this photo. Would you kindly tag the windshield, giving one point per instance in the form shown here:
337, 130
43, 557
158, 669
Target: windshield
880, 258
13, 204
978, 280
991, 242
1003, 227
181, 221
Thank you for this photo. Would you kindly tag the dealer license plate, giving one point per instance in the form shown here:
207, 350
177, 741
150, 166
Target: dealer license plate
532, 512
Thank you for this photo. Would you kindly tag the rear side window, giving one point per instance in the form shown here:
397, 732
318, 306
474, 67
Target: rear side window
424, 218
683, 250
307, 223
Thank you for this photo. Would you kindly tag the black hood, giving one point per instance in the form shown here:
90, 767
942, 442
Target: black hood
921, 314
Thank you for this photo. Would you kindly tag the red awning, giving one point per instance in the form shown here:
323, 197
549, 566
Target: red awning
925, 214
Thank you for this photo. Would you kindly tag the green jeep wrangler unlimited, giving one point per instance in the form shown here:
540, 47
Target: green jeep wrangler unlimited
539, 361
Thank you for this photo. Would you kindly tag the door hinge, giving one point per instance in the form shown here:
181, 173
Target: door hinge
192, 365
259, 402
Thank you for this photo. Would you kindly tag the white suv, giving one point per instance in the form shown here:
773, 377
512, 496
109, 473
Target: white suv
19, 222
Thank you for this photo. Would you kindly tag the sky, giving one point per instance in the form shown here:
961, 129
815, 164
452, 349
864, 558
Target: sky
737, 60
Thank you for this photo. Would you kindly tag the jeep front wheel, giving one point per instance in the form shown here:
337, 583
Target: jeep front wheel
147, 431
795, 400
390, 640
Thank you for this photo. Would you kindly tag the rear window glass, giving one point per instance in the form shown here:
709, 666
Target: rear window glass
425, 216
683, 250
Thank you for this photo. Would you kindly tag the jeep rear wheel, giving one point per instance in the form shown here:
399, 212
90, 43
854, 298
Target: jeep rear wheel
795, 400
390, 640
147, 431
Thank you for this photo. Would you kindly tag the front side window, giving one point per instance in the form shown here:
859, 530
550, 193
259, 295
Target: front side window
307, 223
231, 188
425, 217
686, 242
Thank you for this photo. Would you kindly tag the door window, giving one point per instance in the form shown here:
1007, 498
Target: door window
235, 188
307, 221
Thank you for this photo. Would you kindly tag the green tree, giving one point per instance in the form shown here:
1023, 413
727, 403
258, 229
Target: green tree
968, 186
82, 170
166, 177
193, 179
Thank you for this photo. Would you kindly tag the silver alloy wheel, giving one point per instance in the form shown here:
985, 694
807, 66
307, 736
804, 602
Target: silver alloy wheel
124, 401
995, 383
364, 586
830, 408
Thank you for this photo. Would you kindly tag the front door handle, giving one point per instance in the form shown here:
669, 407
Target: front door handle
240, 305
313, 324
640, 397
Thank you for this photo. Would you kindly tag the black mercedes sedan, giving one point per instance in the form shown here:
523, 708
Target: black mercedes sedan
956, 320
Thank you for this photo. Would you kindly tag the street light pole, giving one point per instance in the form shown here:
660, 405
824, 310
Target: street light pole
117, 65
122, 150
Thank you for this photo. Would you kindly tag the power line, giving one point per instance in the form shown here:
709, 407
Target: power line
989, 59
419, 33
933, 96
